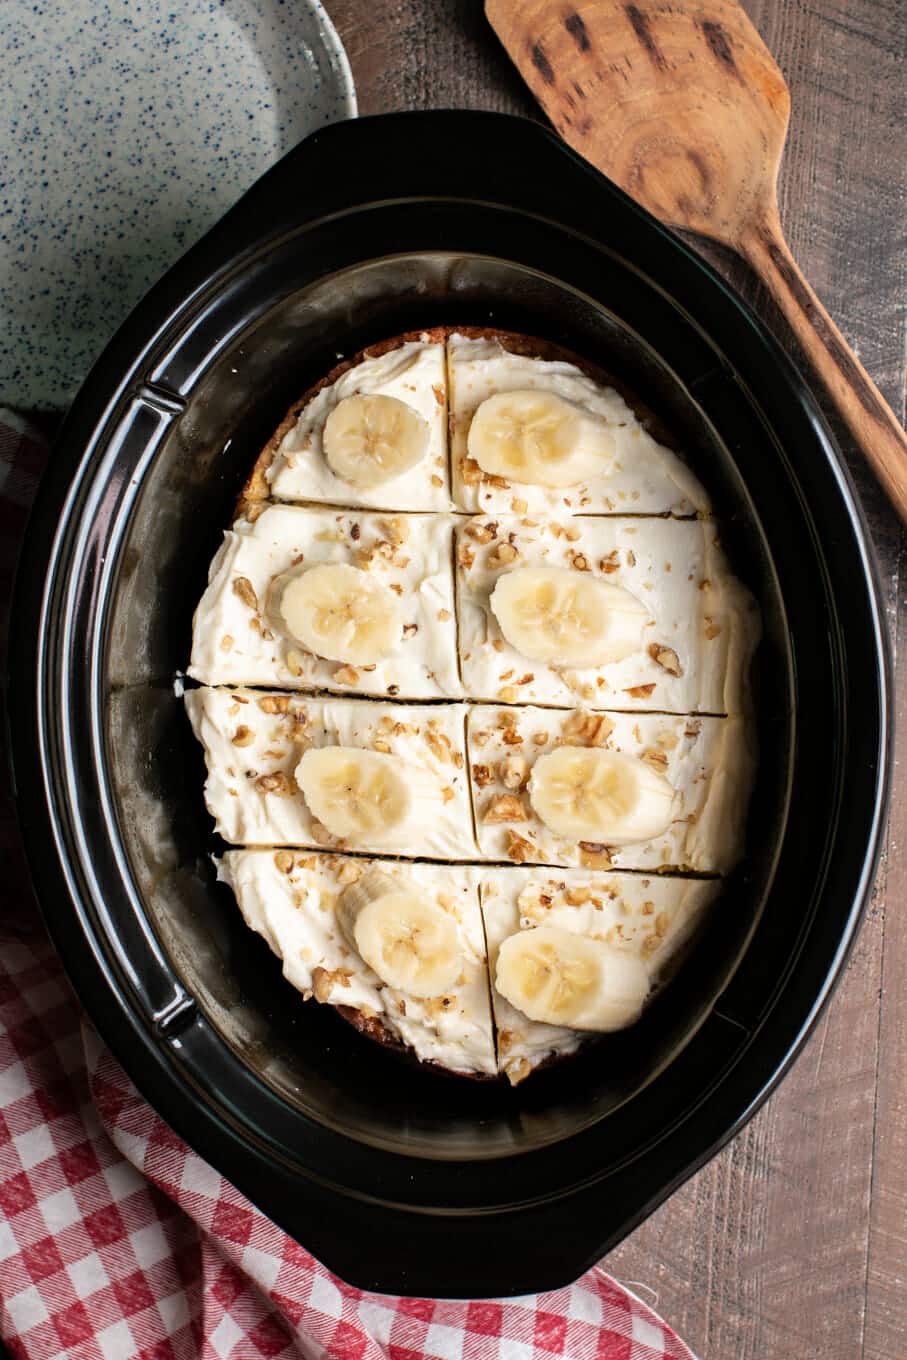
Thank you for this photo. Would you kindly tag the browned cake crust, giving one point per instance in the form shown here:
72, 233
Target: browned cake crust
257, 487
375, 1029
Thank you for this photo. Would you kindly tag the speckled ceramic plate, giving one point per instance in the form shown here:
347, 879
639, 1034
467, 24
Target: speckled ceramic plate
130, 128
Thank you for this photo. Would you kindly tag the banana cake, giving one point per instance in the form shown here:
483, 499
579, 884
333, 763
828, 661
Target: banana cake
473, 688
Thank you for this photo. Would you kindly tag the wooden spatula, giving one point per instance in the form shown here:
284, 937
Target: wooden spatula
682, 105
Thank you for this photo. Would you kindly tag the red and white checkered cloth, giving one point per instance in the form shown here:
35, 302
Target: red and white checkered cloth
117, 1241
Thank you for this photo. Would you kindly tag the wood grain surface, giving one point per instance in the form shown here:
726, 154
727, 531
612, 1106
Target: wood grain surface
792, 1243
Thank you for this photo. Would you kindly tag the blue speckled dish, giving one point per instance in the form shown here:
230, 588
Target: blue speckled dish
128, 129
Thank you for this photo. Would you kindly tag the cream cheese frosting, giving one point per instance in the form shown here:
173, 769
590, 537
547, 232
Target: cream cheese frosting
238, 636
695, 648
650, 918
707, 761
414, 373
290, 899
254, 743
639, 476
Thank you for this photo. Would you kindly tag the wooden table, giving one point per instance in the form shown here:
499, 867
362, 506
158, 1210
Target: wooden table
792, 1243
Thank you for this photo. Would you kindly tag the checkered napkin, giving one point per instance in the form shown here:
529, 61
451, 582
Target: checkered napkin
117, 1241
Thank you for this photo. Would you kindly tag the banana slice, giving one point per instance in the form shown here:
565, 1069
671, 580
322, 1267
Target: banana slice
559, 978
566, 618
540, 438
409, 942
368, 440
586, 793
366, 796
338, 612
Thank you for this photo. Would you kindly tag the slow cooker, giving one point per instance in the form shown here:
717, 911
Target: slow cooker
399, 1178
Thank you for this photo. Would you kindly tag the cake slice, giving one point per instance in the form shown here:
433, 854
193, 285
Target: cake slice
319, 598
653, 791
371, 433
350, 774
620, 613
584, 450
631, 925
425, 984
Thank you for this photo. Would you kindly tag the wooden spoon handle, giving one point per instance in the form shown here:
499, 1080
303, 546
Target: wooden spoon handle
870, 419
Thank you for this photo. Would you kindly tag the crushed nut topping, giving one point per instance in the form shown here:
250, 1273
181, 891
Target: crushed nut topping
640, 691
712, 629
226, 643
502, 555
278, 783
284, 861
410, 630
592, 728
324, 981
243, 736
346, 675
243, 587
439, 744
513, 772
610, 563
656, 759
294, 662
470, 472
594, 856
519, 849
482, 533
482, 775
576, 897
665, 657
276, 703
465, 556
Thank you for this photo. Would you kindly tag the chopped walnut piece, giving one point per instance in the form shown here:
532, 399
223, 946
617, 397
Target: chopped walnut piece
324, 981
319, 833
243, 587
502, 555
482, 775
479, 737
465, 556
243, 736
580, 562
712, 629
649, 945
593, 855
640, 691
519, 506
226, 643
505, 1040
275, 703
540, 738
439, 393
346, 675
470, 472
610, 563
482, 533
693, 727
647, 908
665, 657
436, 480
592, 728
348, 872
631, 558
448, 794
575, 897
278, 783
509, 694
519, 849
572, 534
284, 861
513, 772
443, 615
511, 737
439, 744
518, 1071
294, 662
410, 630
656, 759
